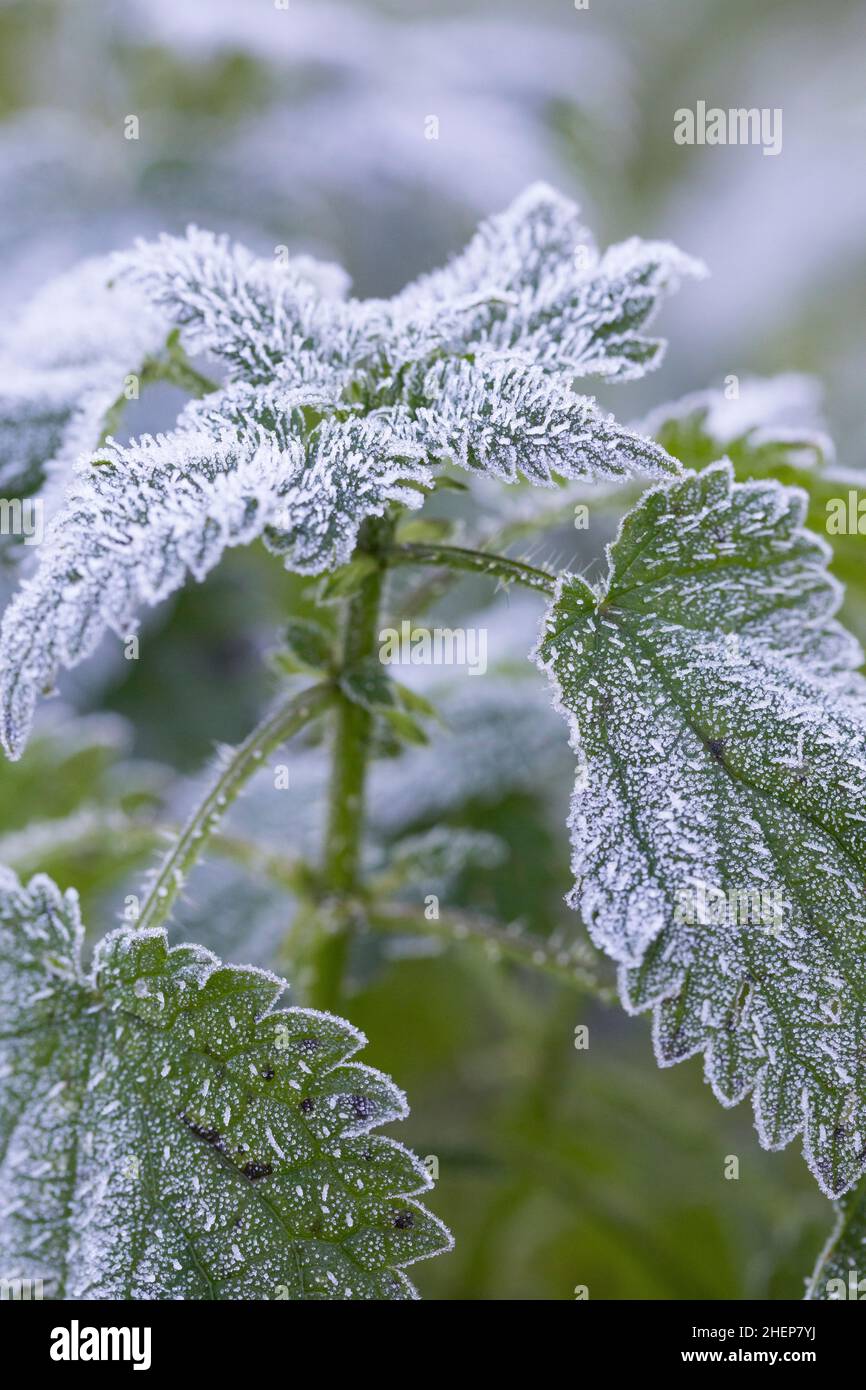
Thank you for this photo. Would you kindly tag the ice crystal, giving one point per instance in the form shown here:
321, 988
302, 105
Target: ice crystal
719, 834
332, 409
167, 1132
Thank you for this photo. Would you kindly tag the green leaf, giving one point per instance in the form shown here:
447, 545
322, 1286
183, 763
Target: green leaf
841, 1269
425, 529
700, 428
445, 483
705, 426
413, 701
309, 645
403, 724
348, 578
368, 684
719, 834
167, 1132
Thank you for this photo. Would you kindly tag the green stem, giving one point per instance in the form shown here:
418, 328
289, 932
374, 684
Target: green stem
175, 369
480, 562
281, 724
569, 962
354, 726
180, 372
292, 875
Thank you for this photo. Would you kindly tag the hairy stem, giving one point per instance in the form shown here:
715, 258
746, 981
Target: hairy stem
478, 561
354, 725
571, 963
281, 724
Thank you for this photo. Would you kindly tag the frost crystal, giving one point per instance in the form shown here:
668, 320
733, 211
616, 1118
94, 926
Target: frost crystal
166, 1132
719, 833
334, 409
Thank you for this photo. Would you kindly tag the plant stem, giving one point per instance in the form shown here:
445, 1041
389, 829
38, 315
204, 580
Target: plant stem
457, 558
571, 963
350, 756
284, 721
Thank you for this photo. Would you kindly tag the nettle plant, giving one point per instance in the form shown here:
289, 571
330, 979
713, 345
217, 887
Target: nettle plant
167, 1130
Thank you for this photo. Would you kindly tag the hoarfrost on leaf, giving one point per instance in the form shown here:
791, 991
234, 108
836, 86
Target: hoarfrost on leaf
141, 517
718, 826
503, 416
64, 361
532, 281
333, 409
167, 1132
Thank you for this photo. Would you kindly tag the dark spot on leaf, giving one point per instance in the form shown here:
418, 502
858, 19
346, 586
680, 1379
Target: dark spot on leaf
362, 1107
404, 1220
268, 1075
256, 1171
308, 1044
306, 1105
210, 1136
717, 749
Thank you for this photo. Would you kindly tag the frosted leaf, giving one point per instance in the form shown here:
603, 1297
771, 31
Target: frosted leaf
840, 1272
513, 250
592, 327
531, 281
40, 415
63, 361
354, 468
136, 521
141, 517
276, 409
718, 825
502, 415
255, 314
332, 410
167, 1132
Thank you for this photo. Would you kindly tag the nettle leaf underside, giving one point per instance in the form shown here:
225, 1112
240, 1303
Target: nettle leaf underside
167, 1132
719, 814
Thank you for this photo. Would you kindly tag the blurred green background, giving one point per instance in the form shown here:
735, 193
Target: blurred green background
557, 1167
